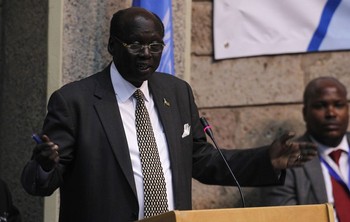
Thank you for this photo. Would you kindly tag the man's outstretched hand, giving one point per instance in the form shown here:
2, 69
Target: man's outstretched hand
285, 153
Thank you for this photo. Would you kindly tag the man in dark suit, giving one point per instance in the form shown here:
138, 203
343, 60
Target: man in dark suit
326, 115
8, 211
89, 143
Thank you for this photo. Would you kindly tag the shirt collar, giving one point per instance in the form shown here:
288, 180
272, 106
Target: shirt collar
344, 145
124, 89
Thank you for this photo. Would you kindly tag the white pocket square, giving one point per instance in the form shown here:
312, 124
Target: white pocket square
187, 130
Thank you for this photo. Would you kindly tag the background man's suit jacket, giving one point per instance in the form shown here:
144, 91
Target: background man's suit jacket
303, 185
95, 174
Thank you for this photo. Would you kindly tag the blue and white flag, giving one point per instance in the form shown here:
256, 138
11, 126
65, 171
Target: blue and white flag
163, 9
264, 27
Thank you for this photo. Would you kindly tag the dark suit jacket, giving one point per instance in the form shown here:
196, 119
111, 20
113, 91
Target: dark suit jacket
95, 174
303, 185
7, 210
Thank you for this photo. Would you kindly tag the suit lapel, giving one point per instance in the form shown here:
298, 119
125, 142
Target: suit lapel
165, 103
314, 172
113, 125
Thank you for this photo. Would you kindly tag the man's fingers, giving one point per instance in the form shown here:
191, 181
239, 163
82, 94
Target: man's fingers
54, 155
308, 149
47, 150
306, 152
285, 137
45, 138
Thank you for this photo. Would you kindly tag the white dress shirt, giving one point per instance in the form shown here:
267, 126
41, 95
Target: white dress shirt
342, 170
127, 104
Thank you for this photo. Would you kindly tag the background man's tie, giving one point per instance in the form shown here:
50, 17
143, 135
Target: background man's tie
341, 193
153, 178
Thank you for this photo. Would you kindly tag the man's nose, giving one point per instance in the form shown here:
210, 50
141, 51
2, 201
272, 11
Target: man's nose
145, 50
331, 111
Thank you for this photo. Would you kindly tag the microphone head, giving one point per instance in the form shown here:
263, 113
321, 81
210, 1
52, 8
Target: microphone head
207, 127
204, 122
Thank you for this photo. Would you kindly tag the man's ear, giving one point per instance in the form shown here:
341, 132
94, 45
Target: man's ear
111, 46
304, 113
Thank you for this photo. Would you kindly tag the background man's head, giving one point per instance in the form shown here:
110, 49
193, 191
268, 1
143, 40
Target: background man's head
325, 110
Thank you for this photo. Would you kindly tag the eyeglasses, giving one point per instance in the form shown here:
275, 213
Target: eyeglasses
155, 47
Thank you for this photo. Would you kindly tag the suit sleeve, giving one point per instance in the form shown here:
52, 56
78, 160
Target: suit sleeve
58, 125
281, 195
7, 209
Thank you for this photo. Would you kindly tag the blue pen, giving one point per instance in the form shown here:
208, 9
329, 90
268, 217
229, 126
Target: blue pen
36, 138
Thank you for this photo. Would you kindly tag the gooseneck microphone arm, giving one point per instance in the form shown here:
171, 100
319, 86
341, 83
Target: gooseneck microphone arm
209, 132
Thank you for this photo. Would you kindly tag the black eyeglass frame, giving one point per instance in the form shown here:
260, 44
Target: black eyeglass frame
140, 47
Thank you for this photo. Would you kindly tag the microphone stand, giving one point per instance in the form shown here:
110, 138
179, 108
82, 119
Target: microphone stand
209, 132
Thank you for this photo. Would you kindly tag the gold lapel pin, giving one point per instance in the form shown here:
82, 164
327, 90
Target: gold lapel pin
166, 102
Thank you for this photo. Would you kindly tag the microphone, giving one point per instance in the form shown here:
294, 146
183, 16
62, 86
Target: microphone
209, 132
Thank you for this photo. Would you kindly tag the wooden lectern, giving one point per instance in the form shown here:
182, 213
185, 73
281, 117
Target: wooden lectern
299, 213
